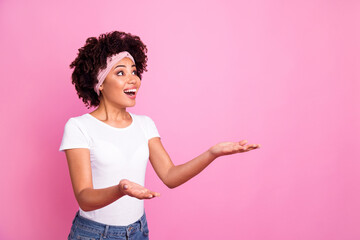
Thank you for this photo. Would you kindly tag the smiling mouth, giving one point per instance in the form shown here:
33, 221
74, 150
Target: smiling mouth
130, 92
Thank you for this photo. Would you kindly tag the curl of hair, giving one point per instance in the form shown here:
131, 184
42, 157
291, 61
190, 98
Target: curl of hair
92, 58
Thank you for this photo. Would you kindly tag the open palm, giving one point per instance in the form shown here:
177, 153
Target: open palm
227, 148
136, 190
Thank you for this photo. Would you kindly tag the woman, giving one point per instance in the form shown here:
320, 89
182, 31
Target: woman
107, 150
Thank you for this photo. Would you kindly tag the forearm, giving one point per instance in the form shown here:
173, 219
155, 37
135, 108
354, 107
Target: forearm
180, 174
91, 199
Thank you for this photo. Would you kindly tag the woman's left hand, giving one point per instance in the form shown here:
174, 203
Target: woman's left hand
227, 148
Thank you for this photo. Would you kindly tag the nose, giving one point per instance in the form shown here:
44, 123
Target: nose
133, 79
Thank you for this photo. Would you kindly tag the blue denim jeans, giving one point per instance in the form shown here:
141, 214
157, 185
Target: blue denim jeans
86, 229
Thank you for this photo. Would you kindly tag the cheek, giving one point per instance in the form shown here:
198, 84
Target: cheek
118, 83
139, 81
115, 88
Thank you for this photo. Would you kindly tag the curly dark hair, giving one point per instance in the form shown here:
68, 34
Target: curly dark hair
92, 58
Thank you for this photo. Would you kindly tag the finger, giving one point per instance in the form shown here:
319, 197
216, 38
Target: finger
254, 146
152, 195
124, 182
146, 193
155, 194
237, 147
247, 148
251, 147
243, 142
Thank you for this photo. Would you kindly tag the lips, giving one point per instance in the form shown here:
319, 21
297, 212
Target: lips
130, 92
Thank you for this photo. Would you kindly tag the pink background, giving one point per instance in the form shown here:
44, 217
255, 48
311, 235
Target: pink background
284, 74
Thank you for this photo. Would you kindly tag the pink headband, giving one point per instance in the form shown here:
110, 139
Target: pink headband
110, 62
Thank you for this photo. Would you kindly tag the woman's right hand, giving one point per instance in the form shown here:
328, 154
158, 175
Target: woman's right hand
136, 190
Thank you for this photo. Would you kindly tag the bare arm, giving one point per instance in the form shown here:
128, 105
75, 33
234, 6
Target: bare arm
173, 176
89, 198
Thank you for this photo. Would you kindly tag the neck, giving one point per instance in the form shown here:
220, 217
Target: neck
110, 112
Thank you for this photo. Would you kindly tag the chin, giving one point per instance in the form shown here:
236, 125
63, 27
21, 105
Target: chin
132, 105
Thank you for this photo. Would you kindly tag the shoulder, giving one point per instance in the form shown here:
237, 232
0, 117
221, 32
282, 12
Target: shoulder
76, 122
78, 119
142, 118
146, 122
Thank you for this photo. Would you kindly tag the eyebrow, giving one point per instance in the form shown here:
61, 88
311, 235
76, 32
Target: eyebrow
124, 66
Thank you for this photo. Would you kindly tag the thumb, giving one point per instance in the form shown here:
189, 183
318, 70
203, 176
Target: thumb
243, 142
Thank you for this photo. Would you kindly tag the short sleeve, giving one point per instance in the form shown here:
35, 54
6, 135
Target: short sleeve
73, 136
151, 129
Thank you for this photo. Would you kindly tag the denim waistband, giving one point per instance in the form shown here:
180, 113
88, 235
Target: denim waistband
108, 230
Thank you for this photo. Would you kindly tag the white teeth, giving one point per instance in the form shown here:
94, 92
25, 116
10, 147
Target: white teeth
130, 90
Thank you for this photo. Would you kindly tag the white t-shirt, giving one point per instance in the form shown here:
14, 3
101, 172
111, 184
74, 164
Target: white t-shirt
115, 154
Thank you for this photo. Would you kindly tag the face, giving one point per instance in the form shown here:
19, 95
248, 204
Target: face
121, 85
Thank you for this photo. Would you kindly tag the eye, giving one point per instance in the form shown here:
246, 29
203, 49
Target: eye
135, 72
120, 73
